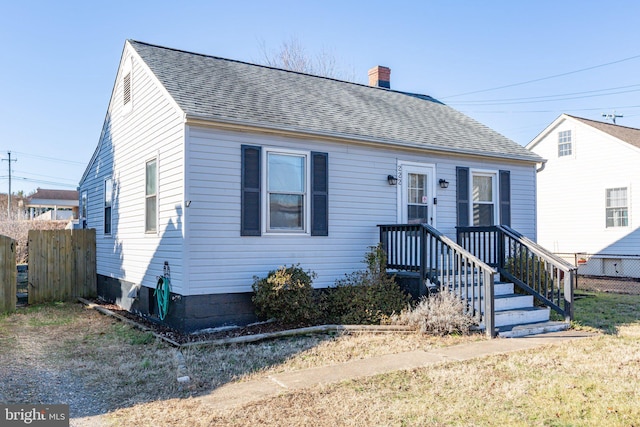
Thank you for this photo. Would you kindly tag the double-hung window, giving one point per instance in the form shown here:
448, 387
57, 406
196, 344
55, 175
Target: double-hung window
564, 143
284, 192
108, 201
483, 198
151, 197
617, 210
287, 204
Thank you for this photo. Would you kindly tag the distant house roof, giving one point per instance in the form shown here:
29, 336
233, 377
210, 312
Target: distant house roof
623, 133
51, 198
233, 92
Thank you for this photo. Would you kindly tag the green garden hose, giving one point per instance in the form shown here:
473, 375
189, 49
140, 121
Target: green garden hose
163, 293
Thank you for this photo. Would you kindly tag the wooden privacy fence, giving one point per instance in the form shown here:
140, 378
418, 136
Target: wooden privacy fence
62, 265
7, 274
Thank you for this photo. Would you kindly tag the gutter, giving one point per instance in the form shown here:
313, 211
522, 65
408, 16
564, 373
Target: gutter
242, 125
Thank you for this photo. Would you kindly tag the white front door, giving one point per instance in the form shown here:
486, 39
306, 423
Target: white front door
416, 194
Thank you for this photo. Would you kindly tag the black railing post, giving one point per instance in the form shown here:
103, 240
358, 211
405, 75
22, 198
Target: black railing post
422, 244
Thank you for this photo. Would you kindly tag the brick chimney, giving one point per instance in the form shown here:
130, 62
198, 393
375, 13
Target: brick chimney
380, 76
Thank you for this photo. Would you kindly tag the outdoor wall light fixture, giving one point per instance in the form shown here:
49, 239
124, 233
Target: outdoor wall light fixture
392, 180
443, 183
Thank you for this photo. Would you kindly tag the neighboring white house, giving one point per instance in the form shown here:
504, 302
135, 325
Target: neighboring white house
589, 194
222, 170
47, 204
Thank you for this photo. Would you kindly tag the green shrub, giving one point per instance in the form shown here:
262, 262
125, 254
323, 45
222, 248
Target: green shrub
286, 295
437, 314
366, 296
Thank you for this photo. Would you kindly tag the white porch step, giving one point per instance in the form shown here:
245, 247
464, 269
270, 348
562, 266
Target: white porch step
512, 301
522, 316
532, 329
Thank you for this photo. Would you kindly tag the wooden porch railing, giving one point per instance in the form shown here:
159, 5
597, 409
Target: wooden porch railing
441, 262
531, 267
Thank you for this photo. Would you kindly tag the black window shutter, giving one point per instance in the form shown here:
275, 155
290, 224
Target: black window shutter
319, 194
505, 198
250, 192
462, 196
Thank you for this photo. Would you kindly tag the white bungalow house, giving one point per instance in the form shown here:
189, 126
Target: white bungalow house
588, 192
216, 171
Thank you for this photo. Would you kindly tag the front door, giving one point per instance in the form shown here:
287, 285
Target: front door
416, 192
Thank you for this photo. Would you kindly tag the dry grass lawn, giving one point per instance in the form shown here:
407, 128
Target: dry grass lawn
586, 382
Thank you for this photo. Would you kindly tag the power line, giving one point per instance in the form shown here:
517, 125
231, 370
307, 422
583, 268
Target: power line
547, 98
44, 176
543, 78
72, 162
546, 111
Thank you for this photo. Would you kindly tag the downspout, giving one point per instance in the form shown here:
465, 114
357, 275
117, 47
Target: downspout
541, 168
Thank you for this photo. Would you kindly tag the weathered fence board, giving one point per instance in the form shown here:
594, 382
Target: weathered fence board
7, 275
62, 265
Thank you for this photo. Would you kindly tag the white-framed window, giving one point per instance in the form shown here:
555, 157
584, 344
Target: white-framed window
484, 198
564, 143
108, 202
151, 196
286, 182
617, 208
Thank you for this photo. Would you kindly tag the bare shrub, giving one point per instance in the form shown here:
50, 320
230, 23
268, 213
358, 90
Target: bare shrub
366, 296
439, 314
18, 230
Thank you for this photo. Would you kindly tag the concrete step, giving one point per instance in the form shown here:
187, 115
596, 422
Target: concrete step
512, 302
499, 288
507, 302
531, 329
522, 316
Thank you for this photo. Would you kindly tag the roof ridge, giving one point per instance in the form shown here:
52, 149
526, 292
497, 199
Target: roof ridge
237, 61
603, 123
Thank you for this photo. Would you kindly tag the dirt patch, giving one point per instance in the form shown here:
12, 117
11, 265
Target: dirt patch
235, 334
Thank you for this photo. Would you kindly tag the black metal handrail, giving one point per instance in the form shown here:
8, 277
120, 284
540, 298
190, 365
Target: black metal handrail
547, 277
442, 263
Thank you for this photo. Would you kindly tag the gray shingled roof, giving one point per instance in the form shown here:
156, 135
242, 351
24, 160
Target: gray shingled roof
219, 89
623, 133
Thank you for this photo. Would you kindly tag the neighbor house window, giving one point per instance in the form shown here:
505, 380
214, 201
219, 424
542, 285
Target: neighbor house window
617, 208
151, 197
564, 143
286, 182
483, 198
108, 201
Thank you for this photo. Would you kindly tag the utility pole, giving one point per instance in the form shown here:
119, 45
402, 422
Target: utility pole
9, 160
612, 116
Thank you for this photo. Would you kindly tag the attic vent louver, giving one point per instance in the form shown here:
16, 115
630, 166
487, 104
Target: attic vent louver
126, 96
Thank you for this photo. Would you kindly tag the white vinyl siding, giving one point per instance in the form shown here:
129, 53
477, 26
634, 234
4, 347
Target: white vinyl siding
360, 197
572, 197
153, 129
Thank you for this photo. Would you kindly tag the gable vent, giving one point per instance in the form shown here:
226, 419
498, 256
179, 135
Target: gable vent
127, 88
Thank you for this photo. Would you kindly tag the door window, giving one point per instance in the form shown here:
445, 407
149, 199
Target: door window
417, 198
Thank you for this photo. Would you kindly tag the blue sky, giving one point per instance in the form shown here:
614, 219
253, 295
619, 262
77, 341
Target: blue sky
59, 61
